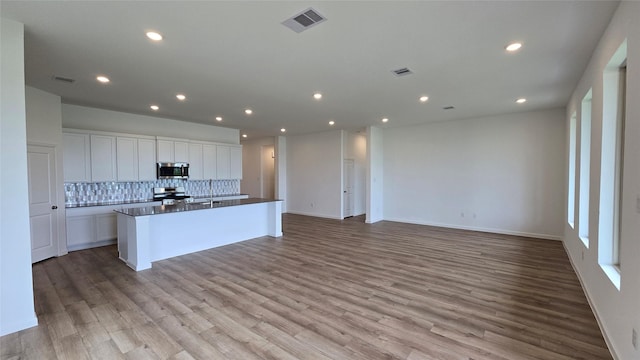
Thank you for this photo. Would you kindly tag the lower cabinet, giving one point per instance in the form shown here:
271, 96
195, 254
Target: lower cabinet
94, 226
81, 232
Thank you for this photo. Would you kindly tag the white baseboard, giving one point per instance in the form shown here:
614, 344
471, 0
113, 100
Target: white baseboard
593, 308
325, 216
90, 245
480, 229
17, 326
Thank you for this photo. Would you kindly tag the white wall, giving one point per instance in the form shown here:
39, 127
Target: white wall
356, 148
618, 311
251, 165
500, 174
44, 127
375, 175
86, 118
17, 309
314, 174
281, 170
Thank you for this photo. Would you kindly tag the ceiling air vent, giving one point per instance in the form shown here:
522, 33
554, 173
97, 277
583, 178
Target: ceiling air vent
63, 79
304, 20
402, 72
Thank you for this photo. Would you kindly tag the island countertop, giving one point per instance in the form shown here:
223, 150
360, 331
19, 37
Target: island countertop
182, 207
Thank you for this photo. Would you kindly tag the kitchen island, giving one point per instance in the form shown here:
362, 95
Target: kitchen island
152, 233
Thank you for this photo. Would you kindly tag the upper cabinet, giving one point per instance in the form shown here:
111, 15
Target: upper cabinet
229, 162
173, 150
136, 159
223, 167
76, 157
235, 162
103, 158
209, 161
100, 156
127, 158
146, 159
196, 169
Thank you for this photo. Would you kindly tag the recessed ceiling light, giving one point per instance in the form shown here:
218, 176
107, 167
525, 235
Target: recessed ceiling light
513, 47
154, 36
181, 97
424, 98
283, 130
103, 79
248, 111
218, 118
154, 107
331, 122
317, 96
244, 135
521, 100
384, 120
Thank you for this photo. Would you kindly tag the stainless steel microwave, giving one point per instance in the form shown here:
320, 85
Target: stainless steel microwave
178, 170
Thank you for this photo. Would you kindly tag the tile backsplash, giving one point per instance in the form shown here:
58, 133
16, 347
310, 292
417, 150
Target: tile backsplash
131, 191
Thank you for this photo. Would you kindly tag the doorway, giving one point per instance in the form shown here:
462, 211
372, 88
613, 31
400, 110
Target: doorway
43, 210
267, 172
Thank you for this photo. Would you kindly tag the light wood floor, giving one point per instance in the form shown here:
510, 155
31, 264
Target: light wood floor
326, 290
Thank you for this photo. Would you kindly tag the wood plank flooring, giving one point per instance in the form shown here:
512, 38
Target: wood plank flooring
326, 290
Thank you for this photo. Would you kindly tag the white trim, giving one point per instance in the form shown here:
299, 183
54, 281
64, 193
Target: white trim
91, 245
613, 273
473, 228
593, 308
314, 215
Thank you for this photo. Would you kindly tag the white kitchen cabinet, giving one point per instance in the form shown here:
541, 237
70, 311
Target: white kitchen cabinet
146, 159
223, 167
165, 150
106, 227
81, 230
229, 162
181, 151
209, 161
136, 159
235, 162
127, 158
94, 226
195, 162
103, 158
76, 154
173, 150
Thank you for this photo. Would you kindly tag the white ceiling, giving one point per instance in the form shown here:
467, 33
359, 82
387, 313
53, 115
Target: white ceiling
226, 56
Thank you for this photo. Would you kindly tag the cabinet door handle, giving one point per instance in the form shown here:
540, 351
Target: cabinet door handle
54, 207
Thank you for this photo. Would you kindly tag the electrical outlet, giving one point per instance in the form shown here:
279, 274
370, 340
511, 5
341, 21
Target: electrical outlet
474, 215
634, 338
311, 204
461, 214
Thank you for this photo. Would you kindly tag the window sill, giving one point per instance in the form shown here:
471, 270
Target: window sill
613, 273
585, 241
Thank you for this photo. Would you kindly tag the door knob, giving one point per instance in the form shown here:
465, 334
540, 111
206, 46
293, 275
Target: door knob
54, 207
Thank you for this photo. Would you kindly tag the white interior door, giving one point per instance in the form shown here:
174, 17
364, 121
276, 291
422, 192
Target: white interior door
348, 170
43, 216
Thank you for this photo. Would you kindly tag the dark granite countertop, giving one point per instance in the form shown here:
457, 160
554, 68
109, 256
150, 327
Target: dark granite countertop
182, 207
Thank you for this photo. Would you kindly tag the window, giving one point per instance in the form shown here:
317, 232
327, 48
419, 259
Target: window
571, 192
612, 163
585, 167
